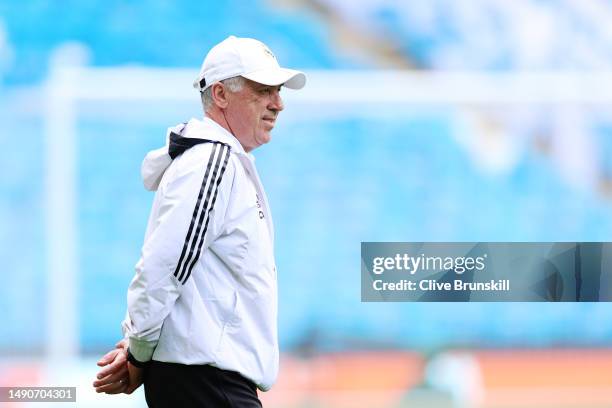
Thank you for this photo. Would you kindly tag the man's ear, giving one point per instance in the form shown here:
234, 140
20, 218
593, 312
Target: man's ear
220, 95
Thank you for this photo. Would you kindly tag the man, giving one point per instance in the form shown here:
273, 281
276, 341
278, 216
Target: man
201, 325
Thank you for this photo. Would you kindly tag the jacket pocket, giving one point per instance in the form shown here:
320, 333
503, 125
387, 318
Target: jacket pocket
230, 318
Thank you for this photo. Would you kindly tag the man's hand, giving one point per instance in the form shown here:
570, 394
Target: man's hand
135, 378
114, 377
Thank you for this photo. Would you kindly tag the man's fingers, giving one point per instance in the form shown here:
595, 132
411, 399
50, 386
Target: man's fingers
114, 388
107, 358
114, 377
122, 374
122, 344
119, 390
113, 367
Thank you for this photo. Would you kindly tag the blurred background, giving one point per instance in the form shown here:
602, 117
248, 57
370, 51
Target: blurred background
439, 120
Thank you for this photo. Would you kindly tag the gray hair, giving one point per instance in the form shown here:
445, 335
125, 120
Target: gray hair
234, 84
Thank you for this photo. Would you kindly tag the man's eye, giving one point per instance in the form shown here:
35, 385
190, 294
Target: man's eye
267, 91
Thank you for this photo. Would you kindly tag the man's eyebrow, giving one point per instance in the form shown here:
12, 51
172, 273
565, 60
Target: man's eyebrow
263, 86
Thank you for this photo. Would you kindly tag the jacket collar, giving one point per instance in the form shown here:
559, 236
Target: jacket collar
211, 130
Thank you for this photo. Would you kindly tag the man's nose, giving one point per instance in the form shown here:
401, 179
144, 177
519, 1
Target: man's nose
276, 101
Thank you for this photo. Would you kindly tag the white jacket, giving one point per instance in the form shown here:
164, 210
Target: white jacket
205, 289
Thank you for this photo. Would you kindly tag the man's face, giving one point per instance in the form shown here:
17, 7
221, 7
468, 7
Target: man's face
252, 112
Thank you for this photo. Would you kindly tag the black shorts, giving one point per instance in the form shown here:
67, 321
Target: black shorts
170, 385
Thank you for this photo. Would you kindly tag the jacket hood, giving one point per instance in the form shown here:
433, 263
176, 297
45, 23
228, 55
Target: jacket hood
178, 139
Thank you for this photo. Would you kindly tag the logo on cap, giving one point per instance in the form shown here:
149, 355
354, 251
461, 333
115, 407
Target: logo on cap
267, 51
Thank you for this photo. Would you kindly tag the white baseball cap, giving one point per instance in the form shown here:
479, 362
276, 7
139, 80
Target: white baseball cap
248, 58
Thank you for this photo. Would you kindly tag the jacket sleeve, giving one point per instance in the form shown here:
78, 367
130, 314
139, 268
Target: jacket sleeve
187, 215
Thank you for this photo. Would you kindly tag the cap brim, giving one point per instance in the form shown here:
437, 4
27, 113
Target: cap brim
289, 78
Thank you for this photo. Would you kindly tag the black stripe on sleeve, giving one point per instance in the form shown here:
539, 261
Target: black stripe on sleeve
208, 210
196, 211
202, 213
